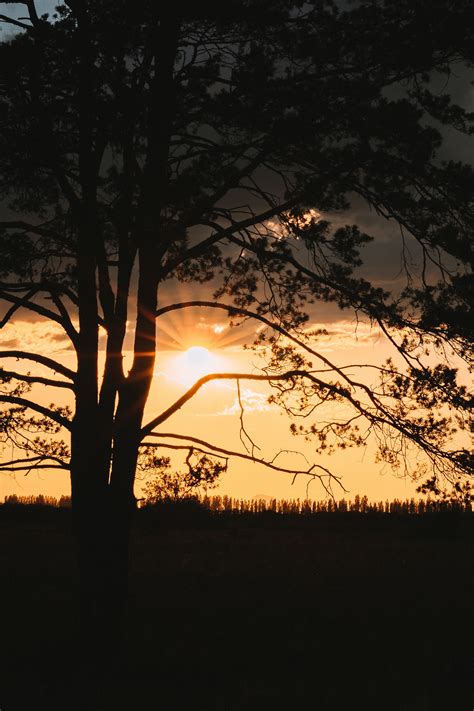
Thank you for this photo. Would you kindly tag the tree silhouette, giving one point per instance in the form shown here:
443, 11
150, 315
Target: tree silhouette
143, 146
165, 483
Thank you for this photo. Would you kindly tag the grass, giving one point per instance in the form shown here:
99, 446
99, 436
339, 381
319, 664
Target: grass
257, 612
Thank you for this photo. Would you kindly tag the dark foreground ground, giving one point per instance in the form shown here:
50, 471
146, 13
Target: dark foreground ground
335, 612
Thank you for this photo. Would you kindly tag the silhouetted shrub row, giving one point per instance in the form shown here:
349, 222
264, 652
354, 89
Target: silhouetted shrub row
228, 504
360, 504
40, 500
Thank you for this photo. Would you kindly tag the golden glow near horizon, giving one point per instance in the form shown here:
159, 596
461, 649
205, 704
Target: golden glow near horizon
194, 343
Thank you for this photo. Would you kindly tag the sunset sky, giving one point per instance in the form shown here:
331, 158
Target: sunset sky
192, 343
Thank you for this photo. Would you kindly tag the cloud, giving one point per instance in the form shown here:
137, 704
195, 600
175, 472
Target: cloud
337, 335
58, 337
345, 334
251, 400
34, 336
10, 343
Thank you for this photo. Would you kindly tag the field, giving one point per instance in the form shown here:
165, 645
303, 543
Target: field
331, 612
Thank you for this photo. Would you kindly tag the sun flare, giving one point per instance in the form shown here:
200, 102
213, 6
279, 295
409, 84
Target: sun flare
199, 360
192, 364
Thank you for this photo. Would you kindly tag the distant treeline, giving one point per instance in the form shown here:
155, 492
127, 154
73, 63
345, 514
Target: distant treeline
306, 507
230, 505
40, 500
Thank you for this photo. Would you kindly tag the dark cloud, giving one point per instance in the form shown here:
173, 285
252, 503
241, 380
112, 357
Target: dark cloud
11, 343
58, 337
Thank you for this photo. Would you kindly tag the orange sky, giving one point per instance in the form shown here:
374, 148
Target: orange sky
213, 414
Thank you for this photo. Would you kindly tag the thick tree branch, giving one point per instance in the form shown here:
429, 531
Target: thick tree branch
32, 12
227, 453
37, 462
219, 376
45, 411
379, 416
37, 287
207, 204
36, 379
25, 302
226, 232
41, 360
17, 23
23, 468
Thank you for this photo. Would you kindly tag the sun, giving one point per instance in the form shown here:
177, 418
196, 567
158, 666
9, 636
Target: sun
199, 360
192, 364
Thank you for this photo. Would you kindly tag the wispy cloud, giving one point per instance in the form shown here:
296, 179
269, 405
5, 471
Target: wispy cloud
251, 400
345, 334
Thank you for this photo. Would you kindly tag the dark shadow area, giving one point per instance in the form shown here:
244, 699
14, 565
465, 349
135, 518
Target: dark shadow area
334, 612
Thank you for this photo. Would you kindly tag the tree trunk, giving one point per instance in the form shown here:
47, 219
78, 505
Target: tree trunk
103, 504
102, 528
102, 534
